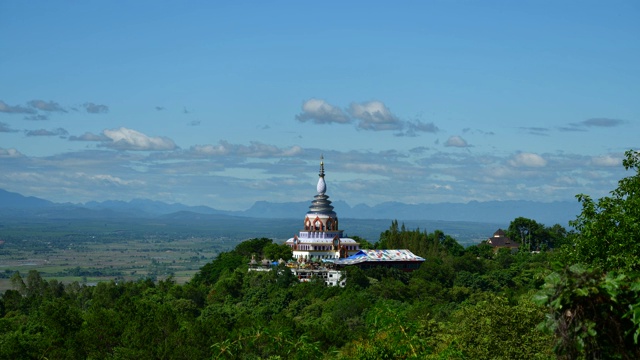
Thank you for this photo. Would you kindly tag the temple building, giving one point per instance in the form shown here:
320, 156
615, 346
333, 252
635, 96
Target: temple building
321, 239
500, 240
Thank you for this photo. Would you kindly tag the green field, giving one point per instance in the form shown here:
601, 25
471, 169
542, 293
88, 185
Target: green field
90, 252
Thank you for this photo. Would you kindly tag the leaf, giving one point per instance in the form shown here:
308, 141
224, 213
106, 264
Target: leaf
540, 298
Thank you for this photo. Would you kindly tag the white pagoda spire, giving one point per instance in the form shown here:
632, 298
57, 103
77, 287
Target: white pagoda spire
322, 185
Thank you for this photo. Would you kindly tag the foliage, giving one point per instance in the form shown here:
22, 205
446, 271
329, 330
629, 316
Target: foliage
494, 329
609, 229
393, 334
364, 243
229, 261
225, 261
252, 247
420, 243
593, 314
592, 299
534, 236
278, 251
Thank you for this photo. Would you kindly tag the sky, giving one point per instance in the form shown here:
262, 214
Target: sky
225, 103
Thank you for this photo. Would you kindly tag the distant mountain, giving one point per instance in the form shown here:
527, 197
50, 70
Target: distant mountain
559, 212
500, 212
148, 208
551, 213
16, 201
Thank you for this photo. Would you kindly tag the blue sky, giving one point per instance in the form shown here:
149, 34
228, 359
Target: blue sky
225, 103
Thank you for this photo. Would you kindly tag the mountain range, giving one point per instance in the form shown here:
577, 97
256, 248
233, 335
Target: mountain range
499, 212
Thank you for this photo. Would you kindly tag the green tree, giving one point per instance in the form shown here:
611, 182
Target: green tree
364, 244
593, 315
527, 232
609, 229
251, 247
210, 272
495, 329
278, 251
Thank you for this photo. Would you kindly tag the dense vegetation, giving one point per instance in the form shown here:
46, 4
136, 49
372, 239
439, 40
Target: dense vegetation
576, 297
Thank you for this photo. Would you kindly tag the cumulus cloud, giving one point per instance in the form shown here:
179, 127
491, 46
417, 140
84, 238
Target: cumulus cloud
255, 149
606, 160
456, 141
87, 136
128, 139
374, 115
9, 153
15, 109
43, 132
5, 128
95, 108
46, 106
527, 160
370, 115
321, 112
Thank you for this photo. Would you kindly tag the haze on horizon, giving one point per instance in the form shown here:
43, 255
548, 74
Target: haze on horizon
227, 103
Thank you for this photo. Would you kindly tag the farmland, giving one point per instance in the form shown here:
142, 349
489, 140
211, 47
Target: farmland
90, 252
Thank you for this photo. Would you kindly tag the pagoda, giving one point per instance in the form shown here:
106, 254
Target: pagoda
321, 239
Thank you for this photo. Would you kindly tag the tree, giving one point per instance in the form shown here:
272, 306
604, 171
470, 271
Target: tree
609, 229
210, 272
494, 329
251, 247
593, 315
277, 252
593, 299
527, 232
364, 244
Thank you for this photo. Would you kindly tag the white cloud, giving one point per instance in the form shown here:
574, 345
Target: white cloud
374, 115
456, 141
527, 160
10, 153
255, 149
128, 139
321, 112
106, 179
370, 115
606, 160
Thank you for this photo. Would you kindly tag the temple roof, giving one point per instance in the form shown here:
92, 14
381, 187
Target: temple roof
380, 256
